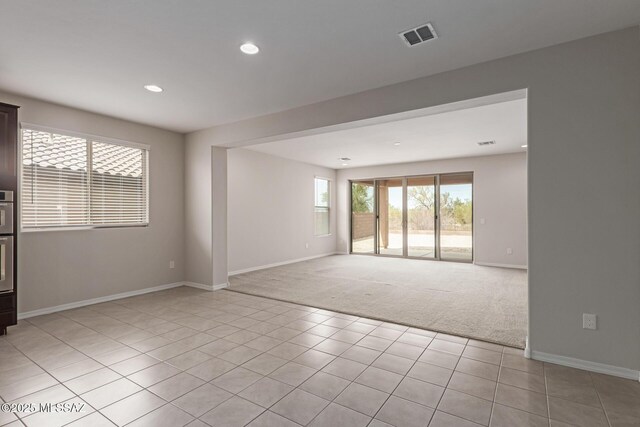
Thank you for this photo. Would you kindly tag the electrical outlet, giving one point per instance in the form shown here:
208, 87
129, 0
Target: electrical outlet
509, 251
482, 221
172, 264
589, 321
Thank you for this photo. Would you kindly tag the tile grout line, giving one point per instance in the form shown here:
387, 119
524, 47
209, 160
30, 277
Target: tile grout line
495, 392
90, 357
380, 325
449, 381
403, 377
185, 371
104, 367
289, 361
606, 413
265, 376
394, 341
138, 305
46, 388
546, 392
77, 395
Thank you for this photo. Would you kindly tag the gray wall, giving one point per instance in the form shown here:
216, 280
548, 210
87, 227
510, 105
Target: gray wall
271, 210
60, 267
219, 211
500, 197
583, 209
198, 175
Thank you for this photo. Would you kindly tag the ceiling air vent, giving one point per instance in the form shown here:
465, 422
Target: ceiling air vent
419, 35
486, 143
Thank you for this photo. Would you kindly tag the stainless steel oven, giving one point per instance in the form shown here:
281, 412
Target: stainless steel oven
6, 241
9, 199
6, 264
6, 212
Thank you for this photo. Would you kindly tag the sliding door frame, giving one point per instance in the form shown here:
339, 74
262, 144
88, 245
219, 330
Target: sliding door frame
405, 212
473, 217
405, 218
436, 204
375, 216
436, 219
376, 210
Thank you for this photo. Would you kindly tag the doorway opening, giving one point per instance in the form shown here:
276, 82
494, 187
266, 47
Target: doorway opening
422, 217
420, 185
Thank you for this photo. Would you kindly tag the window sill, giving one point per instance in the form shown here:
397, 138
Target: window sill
323, 235
80, 228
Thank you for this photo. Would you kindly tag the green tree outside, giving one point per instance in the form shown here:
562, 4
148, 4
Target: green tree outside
361, 198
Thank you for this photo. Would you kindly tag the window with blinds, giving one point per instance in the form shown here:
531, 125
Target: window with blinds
322, 204
76, 181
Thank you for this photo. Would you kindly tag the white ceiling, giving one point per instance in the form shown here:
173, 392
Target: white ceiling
97, 55
444, 135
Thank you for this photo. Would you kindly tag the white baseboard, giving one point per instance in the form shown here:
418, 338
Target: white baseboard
586, 365
278, 264
207, 287
199, 286
77, 304
220, 286
492, 264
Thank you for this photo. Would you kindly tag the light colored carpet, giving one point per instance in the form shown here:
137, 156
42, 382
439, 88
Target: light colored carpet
484, 303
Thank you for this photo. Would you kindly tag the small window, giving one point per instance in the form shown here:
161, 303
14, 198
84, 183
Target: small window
80, 181
322, 204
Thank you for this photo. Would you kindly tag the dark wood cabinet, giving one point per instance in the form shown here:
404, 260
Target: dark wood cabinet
8, 216
8, 147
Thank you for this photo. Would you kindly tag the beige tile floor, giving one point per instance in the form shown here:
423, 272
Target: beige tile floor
190, 357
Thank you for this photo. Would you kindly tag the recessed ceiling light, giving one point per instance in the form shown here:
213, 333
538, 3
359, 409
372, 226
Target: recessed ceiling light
344, 159
524, 146
153, 88
345, 164
396, 143
249, 48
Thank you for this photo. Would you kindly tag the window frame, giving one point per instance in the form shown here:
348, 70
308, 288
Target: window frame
328, 207
90, 138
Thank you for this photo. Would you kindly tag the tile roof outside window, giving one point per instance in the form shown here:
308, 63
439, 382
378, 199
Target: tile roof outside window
50, 150
68, 152
59, 191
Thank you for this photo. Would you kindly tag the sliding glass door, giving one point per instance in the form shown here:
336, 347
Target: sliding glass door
363, 217
390, 193
456, 217
426, 217
421, 217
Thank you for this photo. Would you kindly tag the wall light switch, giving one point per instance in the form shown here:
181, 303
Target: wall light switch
172, 264
306, 245
589, 321
482, 221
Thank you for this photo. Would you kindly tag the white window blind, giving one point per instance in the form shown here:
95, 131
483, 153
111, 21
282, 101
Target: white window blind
71, 181
54, 180
118, 190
